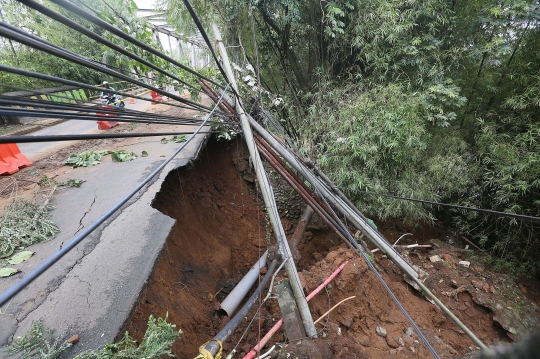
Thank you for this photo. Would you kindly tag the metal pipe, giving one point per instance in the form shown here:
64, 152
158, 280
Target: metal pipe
269, 199
308, 197
106, 26
69, 23
237, 295
11, 292
37, 75
226, 332
22, 37
276, 326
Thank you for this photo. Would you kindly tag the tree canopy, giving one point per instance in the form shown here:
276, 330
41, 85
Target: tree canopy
436, 100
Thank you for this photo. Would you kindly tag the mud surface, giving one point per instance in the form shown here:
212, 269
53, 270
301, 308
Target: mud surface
221, 230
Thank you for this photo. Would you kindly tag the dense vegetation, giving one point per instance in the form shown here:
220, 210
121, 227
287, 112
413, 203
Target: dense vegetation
434, 99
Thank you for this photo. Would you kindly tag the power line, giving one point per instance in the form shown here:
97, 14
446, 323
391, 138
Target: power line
104, 25
12, 291
40, 44
489, 211
45, 77
9, 111
31, 139
63, 107
207, 40
64, 20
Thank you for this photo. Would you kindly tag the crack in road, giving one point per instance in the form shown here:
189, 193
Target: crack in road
81, 225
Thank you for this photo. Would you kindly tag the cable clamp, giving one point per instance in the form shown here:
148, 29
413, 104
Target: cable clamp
205, 354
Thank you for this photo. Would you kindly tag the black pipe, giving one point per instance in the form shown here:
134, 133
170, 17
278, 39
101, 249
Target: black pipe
64, 20
104, 25
30, 139
37, 75
11, 292
82, 117
42, 105
43, 108
228, 329
22, 37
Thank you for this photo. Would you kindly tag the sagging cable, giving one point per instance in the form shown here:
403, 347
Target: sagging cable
11, 292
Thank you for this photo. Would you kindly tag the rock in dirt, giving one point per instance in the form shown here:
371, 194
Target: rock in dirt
409, 331
73, 339
347, 322
477, 284
263, 270
466, 264
392, 343
435, 258
400, 341
381, 331
312, 349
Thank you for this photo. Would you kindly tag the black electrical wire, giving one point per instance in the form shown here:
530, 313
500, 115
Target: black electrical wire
31, 139
9, 111
38, 43
64, 20
209, 44
104, 25
12, 291
45, 77
116, 111
489, 211
24, 38
206, 39
380, 278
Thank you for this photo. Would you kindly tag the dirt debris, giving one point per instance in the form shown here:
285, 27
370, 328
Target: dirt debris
221, 229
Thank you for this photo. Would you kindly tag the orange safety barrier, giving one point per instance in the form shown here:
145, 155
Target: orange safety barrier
131, 99
155, 96
106, 125
11, 159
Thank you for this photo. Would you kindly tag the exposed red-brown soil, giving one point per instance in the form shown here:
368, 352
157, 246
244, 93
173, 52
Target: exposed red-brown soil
220, 232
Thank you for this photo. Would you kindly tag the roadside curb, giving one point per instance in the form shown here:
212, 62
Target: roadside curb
33, 128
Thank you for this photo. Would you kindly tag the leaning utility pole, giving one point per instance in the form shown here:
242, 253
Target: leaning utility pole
269, 200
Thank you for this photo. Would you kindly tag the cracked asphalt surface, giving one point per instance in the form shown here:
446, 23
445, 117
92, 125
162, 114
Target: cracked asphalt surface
92, 289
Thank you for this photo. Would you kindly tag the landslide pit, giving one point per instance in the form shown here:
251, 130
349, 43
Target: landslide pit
221, 230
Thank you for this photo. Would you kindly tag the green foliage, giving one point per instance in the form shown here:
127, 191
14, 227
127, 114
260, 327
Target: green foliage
77, 183
86, 158
6, 272
24, 223
156, 343
179, 138
123, 156
433, 100
175, 139
38, 345
382, 139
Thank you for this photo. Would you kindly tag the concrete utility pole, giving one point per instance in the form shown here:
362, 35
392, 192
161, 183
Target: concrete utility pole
269, 199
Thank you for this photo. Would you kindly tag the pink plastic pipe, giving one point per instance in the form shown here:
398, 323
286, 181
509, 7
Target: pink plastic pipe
278, 325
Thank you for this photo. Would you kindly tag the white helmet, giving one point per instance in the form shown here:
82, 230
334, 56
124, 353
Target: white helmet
105, 83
